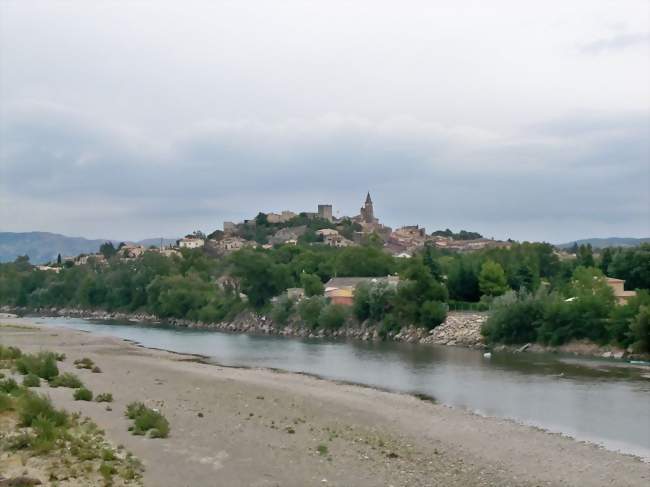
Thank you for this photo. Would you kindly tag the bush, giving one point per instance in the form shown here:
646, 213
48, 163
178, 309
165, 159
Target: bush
309, 310
104, 397
147, 420
83, 394
96, 370
282, 310
389, 326
32, 406
84, 363
46, 432
42, 364
9, 353
66, 380
515, 318
640, 329
432, 313
6, 402
8, 385
332, 316
31, 380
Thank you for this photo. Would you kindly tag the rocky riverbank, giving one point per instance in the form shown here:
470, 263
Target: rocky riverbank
459, 329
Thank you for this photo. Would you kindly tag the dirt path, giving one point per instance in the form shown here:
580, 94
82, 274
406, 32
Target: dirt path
240, 427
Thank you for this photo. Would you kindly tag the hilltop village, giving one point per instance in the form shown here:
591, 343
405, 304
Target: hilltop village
323, 228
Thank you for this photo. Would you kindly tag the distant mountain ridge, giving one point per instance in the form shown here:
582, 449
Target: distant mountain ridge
43, 247
601, 243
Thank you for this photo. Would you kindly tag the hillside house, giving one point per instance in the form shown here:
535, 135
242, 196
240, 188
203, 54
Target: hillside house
618, 286
340, 290
191, 242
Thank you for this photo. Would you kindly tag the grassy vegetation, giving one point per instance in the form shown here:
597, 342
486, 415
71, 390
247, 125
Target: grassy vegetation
67, 379
147, 420
67, 447
84, 363
31, 380
42, 364
83, 394
9, 385
104, 397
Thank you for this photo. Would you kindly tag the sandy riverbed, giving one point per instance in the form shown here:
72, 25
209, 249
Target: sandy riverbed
262, 428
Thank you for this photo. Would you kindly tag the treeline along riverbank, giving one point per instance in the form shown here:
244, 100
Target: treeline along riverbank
532, 296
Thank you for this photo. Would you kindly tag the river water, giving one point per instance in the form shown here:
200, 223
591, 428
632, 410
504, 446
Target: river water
601, 401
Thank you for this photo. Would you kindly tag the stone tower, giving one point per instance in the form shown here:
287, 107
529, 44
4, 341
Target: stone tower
325, 211
367, 212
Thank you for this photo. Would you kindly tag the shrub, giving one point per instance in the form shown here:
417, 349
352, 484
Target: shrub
96, 370
309, 310
281, 310
322, 449
8, 385
9, 353
515, 318
42, 364
640, 329
6, 402
104, 397
83, 394
147, 420
66, 380
31, 380
46, 433
84, 363
433, 313
389, 326
332, 316
32, 406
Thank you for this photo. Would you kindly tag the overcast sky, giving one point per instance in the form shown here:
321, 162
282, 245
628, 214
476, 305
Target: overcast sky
520, 119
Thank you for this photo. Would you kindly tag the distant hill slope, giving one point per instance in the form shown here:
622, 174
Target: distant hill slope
600, 243
42, 247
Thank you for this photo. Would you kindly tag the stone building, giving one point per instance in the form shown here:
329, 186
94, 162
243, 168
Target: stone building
325, 212
367, 211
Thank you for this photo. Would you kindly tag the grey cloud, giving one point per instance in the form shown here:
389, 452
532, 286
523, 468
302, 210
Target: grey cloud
419, 173
616, 42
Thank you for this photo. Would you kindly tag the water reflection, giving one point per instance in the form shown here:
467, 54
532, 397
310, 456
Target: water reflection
588, 399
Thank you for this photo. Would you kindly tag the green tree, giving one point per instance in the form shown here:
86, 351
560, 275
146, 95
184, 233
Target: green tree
492, 279
641, 330
312, 285
107, 249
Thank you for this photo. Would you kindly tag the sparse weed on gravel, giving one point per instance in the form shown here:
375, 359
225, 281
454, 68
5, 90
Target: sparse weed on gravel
104, 397
147, 420
84, 363
66, 379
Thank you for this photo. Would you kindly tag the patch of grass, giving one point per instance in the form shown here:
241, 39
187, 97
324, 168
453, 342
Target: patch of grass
83, 394
6, 402
32, 406
322, 449
104, 397
67, 380
9, 353
107, 470
147, 420
84, 363
31, 380
9, 385
42, 364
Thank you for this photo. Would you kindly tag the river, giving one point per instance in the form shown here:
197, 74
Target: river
601, 401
